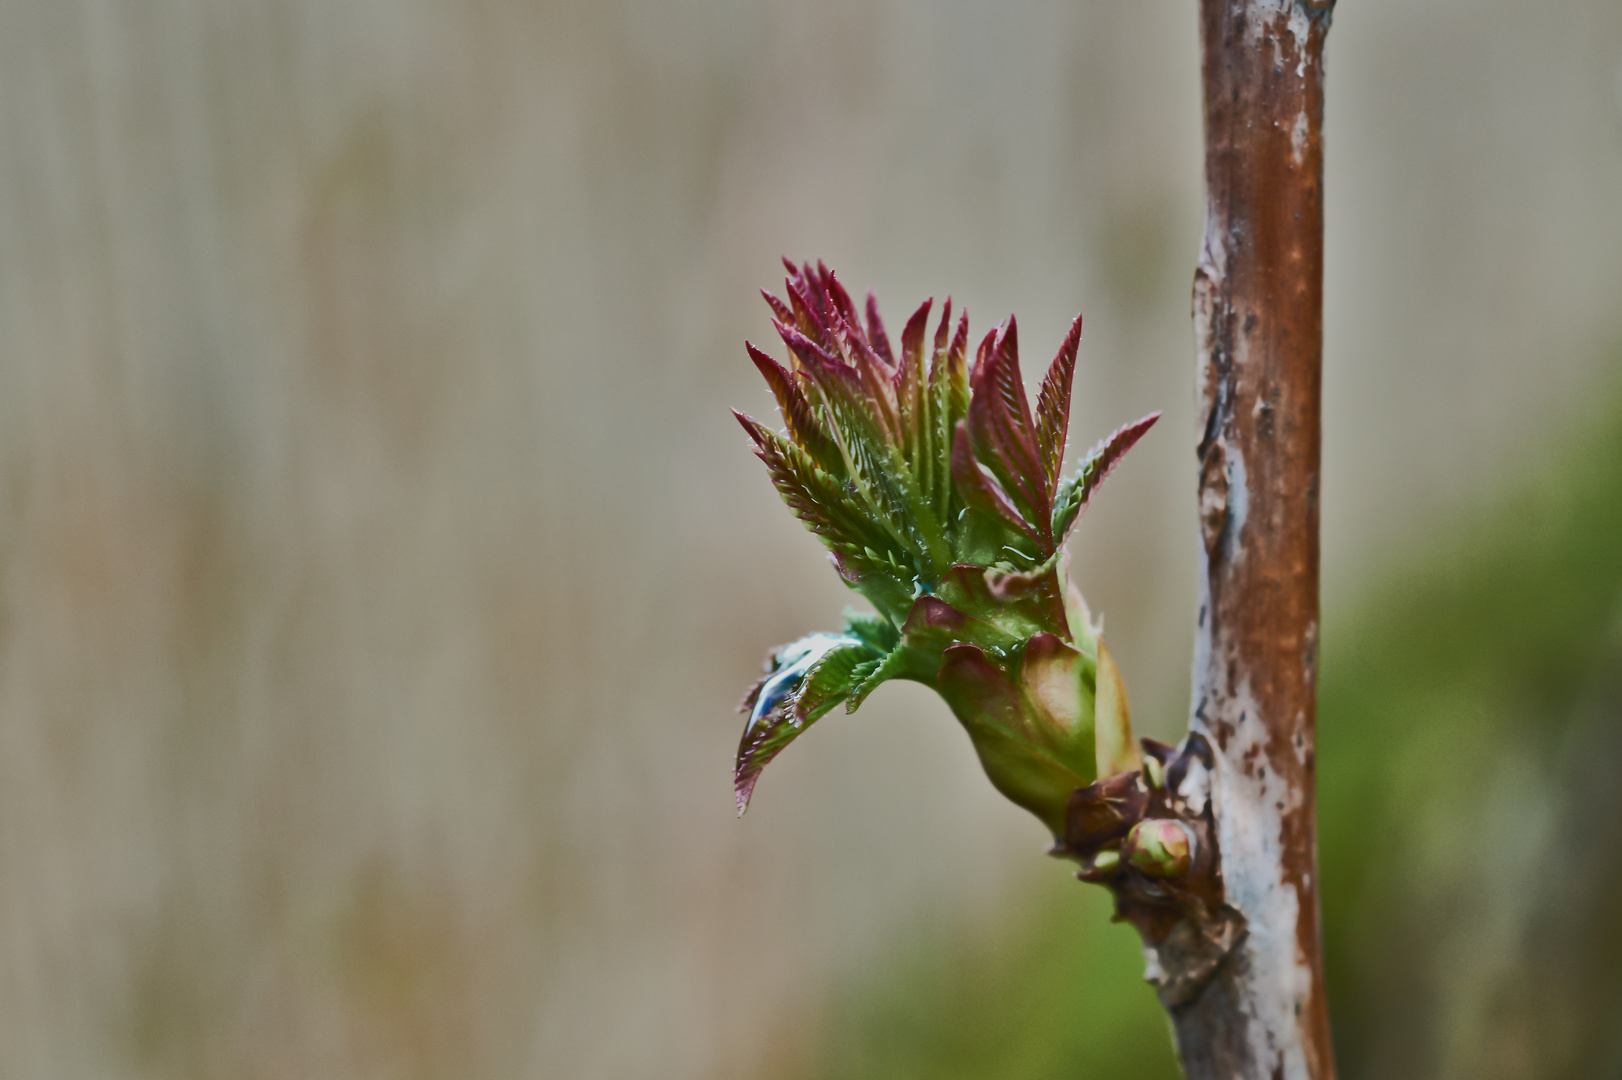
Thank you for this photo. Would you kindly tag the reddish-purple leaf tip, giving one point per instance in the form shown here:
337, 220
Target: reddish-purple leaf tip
752, 427
876, 335
1053, 404
912, 337
982, 491
743, 787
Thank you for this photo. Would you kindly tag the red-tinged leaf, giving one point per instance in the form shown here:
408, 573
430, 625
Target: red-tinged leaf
1077, 492
864, 429
912, 337
849, 397
969, 675
983, 351
982, 493
1000, 426
1053, 405
803, 428
752, 427
932, 613
957, 374
949, 397
960, 341
807, 679
810, 315
813, 357
1007, 586
876, 335
800, 272
929, 461
838, 298
875, 376
781, 311
909, 384
859, 570
933, 619
825, 302
809, 283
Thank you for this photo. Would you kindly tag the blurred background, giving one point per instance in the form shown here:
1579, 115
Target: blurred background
379, 565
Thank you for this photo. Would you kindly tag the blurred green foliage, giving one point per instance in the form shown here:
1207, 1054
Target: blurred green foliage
1063, 996
1470, 725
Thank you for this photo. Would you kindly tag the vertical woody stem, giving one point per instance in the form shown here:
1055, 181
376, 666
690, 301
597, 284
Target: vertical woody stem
1258, 300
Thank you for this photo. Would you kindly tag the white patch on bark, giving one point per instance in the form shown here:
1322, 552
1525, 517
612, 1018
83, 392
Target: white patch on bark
1238, 508
1298, 137
1213, 247
1195, 790
1209, 274
1251, 802
1262, 12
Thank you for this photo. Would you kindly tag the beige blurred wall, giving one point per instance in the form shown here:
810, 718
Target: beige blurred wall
378, 563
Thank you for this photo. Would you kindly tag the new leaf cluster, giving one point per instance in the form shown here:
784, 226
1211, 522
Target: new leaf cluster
938, 493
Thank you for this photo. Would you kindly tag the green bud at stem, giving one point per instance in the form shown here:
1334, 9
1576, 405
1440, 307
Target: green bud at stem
1159, 847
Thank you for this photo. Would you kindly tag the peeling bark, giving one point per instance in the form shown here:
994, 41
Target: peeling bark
1258, 298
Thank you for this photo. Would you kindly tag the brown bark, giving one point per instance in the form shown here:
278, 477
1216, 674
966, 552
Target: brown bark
1258, 302
1257, 312
1230, 927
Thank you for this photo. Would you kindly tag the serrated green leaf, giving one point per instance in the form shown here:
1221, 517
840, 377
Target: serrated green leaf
1075, 493
874, 675
808, 678
874, 629
820, 500
803, 428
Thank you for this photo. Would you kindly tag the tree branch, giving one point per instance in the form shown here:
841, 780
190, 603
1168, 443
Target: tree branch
1258, 305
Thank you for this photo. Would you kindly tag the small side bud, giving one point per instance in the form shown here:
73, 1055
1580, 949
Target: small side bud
1159, 847
1154, 773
